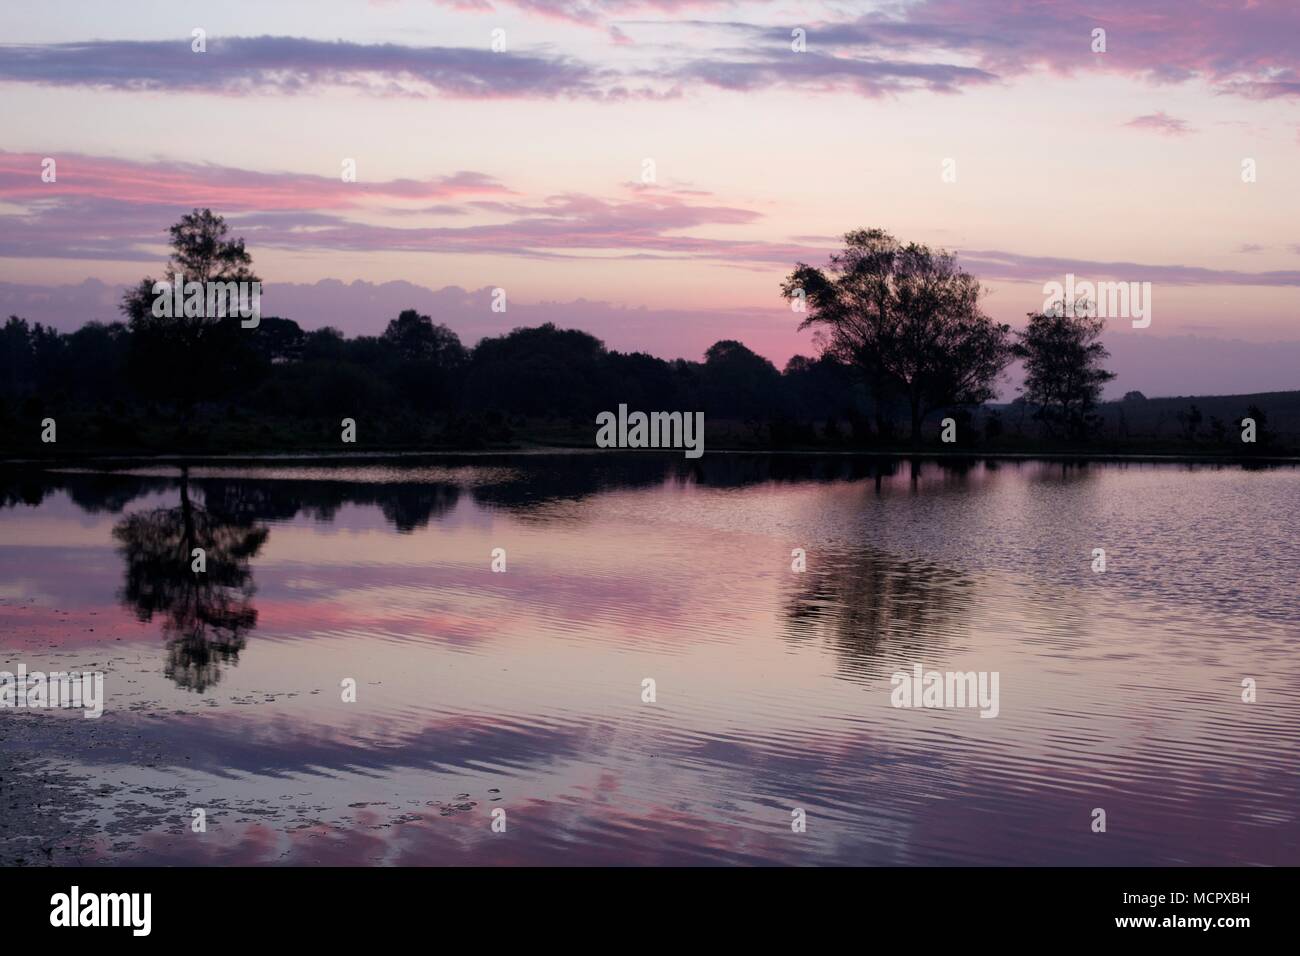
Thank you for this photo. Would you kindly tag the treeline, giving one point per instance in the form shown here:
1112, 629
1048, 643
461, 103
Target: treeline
905, 347
278, 387
232, 389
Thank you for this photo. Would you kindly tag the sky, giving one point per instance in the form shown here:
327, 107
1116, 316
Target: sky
650, 170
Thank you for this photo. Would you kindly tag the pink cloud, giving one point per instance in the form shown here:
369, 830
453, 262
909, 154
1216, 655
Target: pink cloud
218, 186
116, 209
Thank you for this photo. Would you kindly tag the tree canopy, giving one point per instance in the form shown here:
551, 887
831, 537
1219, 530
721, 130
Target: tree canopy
1062, 352
908, 317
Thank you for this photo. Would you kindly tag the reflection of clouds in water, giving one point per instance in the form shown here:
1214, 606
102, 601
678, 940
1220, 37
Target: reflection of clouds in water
773, 685
1179, 533
420, 793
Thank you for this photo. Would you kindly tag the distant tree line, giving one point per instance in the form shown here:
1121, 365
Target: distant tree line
901, 334
414, 382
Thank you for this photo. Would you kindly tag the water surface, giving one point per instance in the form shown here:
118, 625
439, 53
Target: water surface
523, 690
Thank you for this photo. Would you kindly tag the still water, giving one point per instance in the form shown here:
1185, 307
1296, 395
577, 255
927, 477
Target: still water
523, 691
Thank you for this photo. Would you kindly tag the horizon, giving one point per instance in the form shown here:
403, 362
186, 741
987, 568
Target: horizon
651, 178
1182, 358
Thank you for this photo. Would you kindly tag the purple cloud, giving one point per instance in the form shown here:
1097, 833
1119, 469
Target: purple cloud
229, 187
287, 65
866, 77
565, 226
1245, 48
119, 210
1014, 267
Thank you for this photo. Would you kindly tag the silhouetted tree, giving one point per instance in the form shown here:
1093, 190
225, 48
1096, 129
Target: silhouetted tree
416, 339
1191, 422
428, 357
543, 371
17, 359
279, 341
1263, 437
1063, 374
185, 358
821, 389
739, 383
645, 381
909, 318
201, 252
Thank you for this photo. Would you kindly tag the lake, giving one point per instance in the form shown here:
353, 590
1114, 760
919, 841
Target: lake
650, 680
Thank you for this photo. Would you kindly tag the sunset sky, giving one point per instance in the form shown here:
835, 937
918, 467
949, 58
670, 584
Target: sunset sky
524, 169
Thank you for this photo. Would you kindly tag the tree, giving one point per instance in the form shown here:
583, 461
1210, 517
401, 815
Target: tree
815, 389
416, 339
201, 252
1191, 421
738, 383
1063, 374
188, 357
540, 372
17, 360
427, 356
1263, 437
280, 341
908, 318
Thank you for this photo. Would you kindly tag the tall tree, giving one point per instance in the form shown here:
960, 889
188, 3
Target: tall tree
1062, 352
202, 251
908, 318
187, 358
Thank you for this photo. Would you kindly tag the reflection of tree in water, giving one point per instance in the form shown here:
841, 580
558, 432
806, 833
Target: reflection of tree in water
407, 505
206, 615
92, 492
872, 609
410, 507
